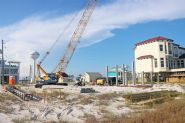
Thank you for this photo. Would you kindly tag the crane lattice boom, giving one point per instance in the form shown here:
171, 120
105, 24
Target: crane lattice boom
75, 39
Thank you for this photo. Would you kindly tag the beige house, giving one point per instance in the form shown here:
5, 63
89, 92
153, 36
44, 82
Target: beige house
159, 57
90, 76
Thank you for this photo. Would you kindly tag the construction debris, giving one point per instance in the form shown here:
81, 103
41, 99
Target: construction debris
87, 90
22, 94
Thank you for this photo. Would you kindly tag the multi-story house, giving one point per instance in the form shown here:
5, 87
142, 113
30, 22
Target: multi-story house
159, 57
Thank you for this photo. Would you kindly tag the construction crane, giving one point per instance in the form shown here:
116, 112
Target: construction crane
74, 41
39, 68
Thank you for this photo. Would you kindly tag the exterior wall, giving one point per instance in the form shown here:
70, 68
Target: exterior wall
148, 52
143, 65
170, 60
90, 77
9, 70
86, 78
150, 49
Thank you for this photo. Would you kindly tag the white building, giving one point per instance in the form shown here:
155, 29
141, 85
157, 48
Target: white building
91, 76
10, 69
160, 56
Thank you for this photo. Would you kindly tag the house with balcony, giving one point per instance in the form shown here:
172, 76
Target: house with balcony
160, 58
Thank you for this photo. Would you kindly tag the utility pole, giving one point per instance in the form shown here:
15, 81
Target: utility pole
2, 69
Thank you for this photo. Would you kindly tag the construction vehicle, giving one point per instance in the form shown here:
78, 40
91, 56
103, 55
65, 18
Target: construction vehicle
58, 75
79, 81
100, 81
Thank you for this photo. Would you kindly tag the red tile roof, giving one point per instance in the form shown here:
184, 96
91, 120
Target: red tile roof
152, 40
145, 57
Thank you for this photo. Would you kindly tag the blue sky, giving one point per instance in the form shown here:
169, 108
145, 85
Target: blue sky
115, 26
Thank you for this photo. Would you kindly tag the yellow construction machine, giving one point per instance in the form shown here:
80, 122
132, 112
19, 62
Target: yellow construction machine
58, 74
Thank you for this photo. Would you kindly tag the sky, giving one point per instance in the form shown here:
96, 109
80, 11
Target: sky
109, 39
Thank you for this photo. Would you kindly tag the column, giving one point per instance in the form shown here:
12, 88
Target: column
107, 74
123, 74
117, 75
151, 73
133, 74
126, 81
158, 78
142, 77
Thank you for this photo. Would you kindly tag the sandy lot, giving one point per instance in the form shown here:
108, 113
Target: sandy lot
66, 103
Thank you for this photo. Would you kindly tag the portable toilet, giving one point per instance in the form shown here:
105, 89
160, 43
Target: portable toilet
12, 80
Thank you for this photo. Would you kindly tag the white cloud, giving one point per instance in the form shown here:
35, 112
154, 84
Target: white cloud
38, 33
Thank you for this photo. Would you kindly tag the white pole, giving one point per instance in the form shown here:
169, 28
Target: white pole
151, 74
142, 76
133, 74
126, 81
123, 74
107, 74
117, 75
34, 62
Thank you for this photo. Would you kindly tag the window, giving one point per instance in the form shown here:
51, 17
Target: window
162, 62
175, 53
161, 47
178, 64
6, 71
167, 62
13, 71
155, 63
182, 63
165, 49
181, 53
174, 64
169, 48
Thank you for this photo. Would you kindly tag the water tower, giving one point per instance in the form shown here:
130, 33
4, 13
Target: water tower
34, 55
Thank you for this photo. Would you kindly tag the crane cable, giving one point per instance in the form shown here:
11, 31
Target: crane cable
58, 38
75, 39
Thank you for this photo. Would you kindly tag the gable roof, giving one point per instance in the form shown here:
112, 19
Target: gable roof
93, 73
153, 40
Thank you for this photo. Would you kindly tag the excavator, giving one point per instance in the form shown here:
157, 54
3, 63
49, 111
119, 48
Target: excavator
58, 75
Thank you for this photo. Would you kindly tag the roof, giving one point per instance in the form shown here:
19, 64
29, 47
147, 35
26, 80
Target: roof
151, 40
114, 69
182, 56
176, 44
93, 74
145, 57
182, 48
